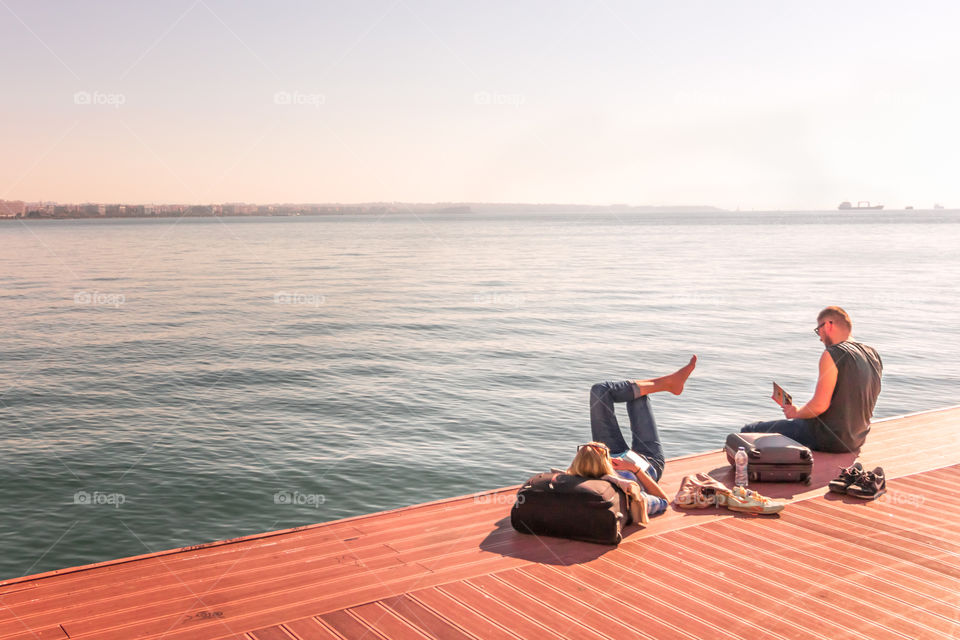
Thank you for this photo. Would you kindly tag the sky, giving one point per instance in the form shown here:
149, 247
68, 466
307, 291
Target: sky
757, 105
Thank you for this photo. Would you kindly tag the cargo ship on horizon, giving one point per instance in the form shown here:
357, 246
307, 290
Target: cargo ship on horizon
863, 204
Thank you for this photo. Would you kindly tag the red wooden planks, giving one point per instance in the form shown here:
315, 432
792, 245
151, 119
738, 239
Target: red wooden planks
435, 625
271, 633
452, 569
466, 617
516, 602
387, 623
312, 629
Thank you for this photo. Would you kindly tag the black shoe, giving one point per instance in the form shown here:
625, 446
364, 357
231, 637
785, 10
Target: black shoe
872, 485
847, 477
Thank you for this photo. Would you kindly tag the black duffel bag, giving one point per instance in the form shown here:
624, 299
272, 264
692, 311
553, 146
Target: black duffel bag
568, 506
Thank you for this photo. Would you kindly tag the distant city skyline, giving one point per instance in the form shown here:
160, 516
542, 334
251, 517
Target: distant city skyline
20, 209
744, 104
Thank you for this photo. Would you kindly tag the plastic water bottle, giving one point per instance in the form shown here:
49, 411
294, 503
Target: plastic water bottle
741, 478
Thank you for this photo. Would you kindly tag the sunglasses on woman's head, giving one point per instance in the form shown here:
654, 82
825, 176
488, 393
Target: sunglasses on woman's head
600, 448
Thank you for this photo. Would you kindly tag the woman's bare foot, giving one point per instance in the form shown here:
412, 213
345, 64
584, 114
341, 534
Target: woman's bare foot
673, 382
679, 377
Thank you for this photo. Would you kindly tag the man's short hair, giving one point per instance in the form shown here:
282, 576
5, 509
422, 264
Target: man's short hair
837, 315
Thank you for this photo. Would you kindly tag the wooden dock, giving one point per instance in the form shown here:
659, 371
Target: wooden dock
828, 567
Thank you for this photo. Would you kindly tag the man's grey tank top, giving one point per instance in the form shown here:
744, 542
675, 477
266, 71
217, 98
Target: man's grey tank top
844, 425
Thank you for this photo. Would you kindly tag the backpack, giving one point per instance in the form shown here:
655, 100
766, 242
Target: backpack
569, 506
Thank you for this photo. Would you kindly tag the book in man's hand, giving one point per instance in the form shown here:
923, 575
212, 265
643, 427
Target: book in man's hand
780, 396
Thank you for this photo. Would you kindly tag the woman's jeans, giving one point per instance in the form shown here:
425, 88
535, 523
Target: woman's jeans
606, 429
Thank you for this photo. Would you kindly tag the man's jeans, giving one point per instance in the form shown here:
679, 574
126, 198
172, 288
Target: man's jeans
606, 429
799, 429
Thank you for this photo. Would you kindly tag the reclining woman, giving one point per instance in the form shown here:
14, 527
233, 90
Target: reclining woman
607, 455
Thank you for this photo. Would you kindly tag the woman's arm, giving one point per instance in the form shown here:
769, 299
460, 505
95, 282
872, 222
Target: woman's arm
646, 481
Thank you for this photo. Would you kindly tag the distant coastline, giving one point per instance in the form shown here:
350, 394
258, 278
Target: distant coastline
22, 210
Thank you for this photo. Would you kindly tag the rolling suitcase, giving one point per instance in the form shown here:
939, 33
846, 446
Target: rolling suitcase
772, 457
568, 506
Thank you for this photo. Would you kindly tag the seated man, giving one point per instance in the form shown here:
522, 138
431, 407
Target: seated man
837, 418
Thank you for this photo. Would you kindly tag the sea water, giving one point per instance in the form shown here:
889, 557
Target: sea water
175, 381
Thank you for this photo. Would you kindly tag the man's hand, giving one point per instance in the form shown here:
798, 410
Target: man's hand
790, 411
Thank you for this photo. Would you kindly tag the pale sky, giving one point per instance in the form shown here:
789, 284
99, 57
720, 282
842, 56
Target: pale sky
756, 104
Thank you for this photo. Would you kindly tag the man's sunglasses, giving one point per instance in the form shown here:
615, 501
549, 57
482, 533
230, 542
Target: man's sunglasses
817, 330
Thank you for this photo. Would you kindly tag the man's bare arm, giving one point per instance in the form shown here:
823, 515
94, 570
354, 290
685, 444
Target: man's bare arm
824, 392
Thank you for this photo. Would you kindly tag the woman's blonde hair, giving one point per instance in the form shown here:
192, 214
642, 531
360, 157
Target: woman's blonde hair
592, 461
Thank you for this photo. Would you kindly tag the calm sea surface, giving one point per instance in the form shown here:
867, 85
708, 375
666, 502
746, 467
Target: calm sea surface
166, 383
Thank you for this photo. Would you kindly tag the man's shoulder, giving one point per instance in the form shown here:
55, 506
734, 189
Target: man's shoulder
865, 348
851, 346
872, 354
859, 350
